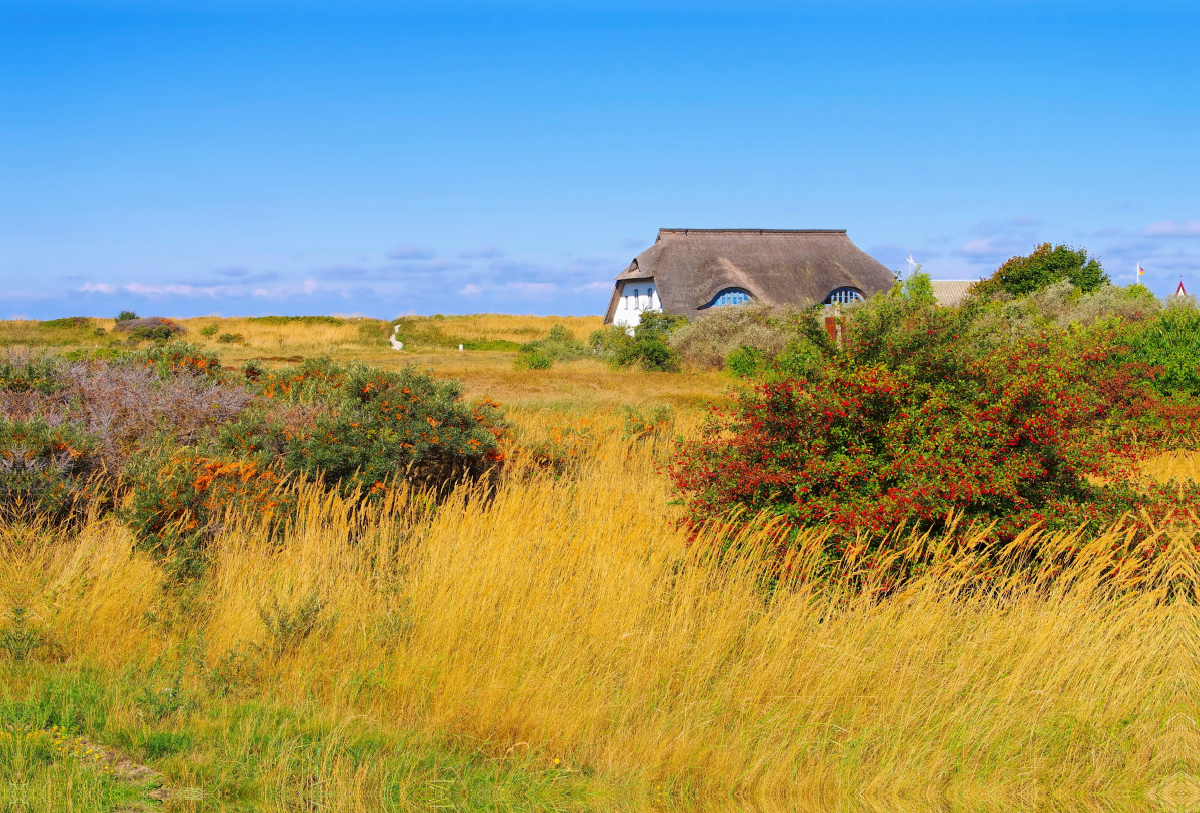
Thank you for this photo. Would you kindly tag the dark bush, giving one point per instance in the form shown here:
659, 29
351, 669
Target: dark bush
1047, 264
159, 333
231, 338
126, 316
152, 328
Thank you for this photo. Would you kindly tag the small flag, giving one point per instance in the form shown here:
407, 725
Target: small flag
1181, 291
1140, 271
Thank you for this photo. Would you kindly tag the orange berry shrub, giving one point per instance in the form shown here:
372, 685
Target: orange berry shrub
181, 498
357, 427
173, 441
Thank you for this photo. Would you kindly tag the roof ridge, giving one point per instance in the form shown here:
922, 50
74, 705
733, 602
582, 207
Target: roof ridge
752, 231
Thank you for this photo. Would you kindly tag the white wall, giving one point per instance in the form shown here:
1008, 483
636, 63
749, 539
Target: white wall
636, 299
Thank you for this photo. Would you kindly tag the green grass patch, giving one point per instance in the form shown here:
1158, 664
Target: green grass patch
243, 754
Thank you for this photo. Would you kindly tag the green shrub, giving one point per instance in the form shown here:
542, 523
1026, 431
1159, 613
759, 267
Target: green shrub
1171, 343
532, 361
179, 358
1047, 264
707, 342
208, 331
803, 357
44, 469
607, 342
559, 346
68, 322
30, 372
646, 348
156, 333
746, 362
126, 316
231, 338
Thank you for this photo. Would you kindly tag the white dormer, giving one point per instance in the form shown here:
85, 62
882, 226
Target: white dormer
636, 298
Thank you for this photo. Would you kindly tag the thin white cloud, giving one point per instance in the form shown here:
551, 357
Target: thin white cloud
533, 287
98, 288
980, 248
410, 251
484, 252
1172, 228
470, 289
164, 290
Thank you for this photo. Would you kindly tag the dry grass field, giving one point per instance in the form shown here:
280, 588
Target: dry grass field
569, 640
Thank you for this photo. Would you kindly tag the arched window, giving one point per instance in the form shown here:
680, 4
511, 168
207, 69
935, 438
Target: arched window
730, 296
843, 296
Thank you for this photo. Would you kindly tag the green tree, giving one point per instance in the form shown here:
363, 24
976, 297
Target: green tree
918, 288
1046, 265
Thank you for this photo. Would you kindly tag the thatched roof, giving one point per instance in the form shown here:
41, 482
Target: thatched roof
950, 292
776, 266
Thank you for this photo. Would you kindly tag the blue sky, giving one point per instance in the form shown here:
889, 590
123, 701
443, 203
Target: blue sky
185, 158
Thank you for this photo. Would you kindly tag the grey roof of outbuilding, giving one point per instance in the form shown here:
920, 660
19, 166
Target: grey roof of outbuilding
777, 266
950, 292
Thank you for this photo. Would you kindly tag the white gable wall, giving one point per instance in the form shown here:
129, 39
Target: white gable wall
636, 299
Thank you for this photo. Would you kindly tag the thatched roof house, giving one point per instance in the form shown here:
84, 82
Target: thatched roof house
688, 271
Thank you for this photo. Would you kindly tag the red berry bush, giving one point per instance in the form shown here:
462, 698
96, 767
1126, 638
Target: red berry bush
919, 416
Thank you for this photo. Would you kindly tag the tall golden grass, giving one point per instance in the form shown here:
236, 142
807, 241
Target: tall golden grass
572, 619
